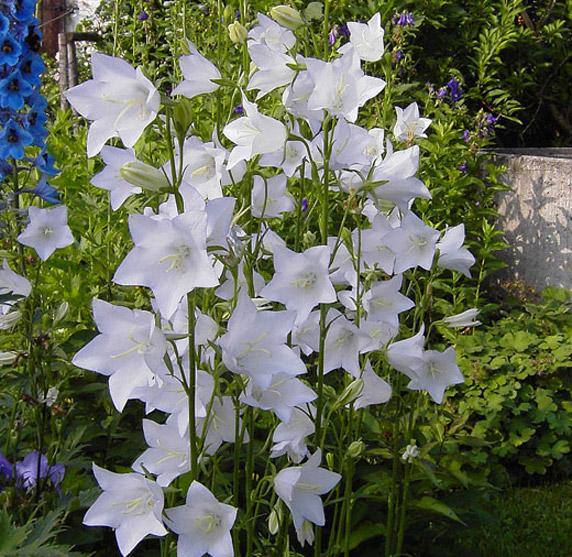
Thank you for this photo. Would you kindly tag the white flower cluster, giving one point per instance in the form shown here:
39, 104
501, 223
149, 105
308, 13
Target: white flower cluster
187, 243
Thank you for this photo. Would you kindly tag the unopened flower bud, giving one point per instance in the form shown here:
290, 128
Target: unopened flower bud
355, 449
330, 460
308, 239
461, 320
350, 393
274, 519
228, 13
144, 175
287, 16
7, 358
237, 33
411, 452
51, 396
314, 10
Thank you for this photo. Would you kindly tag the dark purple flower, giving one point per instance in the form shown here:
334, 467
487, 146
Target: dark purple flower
344, 30
454, 90
404, 19
237, 14
398, 55
333, 35
5, 468
239, 109
441, 93
143, 16
304, 205
27, 471
466, 135
463, 167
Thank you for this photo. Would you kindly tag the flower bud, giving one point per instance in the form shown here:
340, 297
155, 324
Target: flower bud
286, 16
7, 358
274, 519
350, 393
144, 175
228, 13
308, 239
237, 33
411, 452
330, 460
356, 448
314, 10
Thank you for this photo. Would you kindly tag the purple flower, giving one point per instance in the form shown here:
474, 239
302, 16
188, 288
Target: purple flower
143, 16
27, 471
239, 109
344, 30
463, 167
304, 205
441, 93
5, 468
398, 55
455, 90
333, 35
404, 19
466, 135
491, 121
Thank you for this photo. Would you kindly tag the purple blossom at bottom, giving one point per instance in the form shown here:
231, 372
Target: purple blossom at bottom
5, 468
455, 90
27, 471
143, 16
404, 19
463, 167
239, 109
466, 135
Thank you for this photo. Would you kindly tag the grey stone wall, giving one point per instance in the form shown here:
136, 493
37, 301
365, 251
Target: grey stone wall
536, 215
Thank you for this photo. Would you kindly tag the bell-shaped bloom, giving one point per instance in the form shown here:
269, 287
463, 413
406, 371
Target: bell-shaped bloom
375, 252
129, 349
282, 396
290, 437
295, 99
301, 280
271, 35
270, 198
452, 254
406, 355
13, 283
168, 454
273, 69
366, 39
119, 100
375, 389
300, 488
221, 425
440, 370
169, 257
110, 177
130, 504
255, 343
198, 74
409, 125
35, 466
341, 87
253, 134
413, 244
287, 159
384, 302
47, 231
203, 524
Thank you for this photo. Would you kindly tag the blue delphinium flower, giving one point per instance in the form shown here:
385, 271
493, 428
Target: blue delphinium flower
14, 90
46, 192
13, 139
10, 51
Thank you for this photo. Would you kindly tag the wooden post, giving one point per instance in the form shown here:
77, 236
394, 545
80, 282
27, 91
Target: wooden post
63, 68
52, 15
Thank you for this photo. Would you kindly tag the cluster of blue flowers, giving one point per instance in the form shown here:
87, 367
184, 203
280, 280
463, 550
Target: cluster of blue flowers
25, 473
22, 106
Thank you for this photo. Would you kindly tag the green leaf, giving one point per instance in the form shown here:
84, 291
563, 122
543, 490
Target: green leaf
364, 532
430, 504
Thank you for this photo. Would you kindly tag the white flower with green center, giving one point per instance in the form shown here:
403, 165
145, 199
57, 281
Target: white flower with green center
375, 252
47, 231
169, 257
440, 370
119, 100
272, 35
255, 344
384, 302
269, 198
413, 244
300, 488
409, 125
12, 283
198, 74
406, 355
366, 39
168, 454
130, 504
375, 389
301, 280
452, 254
129, 349
203, 524
290, 437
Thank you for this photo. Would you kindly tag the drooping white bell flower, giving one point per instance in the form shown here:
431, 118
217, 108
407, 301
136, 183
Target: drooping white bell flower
413, 244
203, 524
282, 396
198, 74
129, 349
301, 280
168, 454
295, 99
255, 343
409, 125
130, 504
300, 488
380, 333
253, 134
375, 252
349, 146
406, 355
273, 69
288, 159
341, 87
366, 39
375, 389
290, 437
272, 35
220, 427
461, 320
47, 230
119, 100
384, 301
440, 370
452, 254
110, 177
12, 283
269, 198
169, 256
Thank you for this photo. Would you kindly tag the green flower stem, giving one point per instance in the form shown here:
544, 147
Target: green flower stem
192, 385
326, 29
248, 483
